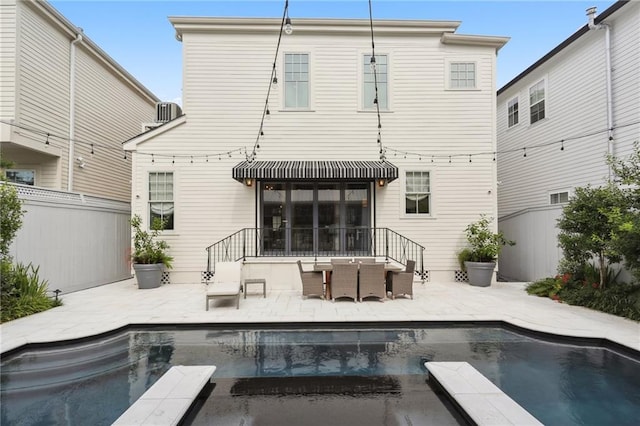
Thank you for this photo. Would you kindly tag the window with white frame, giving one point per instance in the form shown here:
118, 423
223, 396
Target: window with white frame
559, 197
536, 102
22, 176
161, 202
417, 193
512, 110
462, 75
369, 82
296, 80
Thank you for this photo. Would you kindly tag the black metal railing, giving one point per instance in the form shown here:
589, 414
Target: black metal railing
316, 242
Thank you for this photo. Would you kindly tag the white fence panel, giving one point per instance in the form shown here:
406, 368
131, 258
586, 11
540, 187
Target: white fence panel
78, 241
536, 253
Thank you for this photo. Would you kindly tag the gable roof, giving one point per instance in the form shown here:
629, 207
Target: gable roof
132, 144
583, 30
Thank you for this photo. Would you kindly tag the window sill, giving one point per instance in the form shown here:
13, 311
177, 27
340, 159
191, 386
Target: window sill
418, 216
374, 111
296, 110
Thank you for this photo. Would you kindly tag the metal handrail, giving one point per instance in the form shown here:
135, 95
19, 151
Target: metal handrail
315, 242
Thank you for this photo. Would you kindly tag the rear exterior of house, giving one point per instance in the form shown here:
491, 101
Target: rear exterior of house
329, 176
66, 106
555, 132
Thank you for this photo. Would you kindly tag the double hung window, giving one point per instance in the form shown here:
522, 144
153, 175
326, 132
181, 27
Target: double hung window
417, 193
296, 81
371, 80
161, 201
536, 102
512, 108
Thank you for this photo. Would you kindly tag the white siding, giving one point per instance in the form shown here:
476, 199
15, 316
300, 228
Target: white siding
576, 105
108, 112
110, 105
7, 59
225, 84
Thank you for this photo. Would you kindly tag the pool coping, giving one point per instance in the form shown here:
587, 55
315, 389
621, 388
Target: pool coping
480, 401
280, 325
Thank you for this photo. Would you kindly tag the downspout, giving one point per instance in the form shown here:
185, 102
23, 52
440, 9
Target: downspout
72, 106
591, 13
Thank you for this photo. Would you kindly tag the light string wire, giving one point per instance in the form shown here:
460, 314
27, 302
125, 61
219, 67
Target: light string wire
374, 69
256, 145
524, 150
48, 136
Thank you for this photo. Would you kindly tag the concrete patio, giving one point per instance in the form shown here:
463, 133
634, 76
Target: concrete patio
111, 306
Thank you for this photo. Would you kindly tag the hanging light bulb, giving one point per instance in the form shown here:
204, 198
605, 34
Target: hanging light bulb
372, 63
261, 135
288, 29
268, 113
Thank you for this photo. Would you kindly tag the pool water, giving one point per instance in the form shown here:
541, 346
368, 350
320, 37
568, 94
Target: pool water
372, 375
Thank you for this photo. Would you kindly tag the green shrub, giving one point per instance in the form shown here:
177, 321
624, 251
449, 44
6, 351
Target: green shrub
23, 292
619, 299
546, 287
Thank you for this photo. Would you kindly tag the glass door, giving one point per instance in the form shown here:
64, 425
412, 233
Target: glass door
357, 219
302, 218
329, 228
274, 219
309, 219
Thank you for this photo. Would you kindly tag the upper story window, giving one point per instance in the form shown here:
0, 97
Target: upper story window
559, 197
417, 193
25, 177
161, 203
369, 82
512, 110
462, 75
296, 80
536, 102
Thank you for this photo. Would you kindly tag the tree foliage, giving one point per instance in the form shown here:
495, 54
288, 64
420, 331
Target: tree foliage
603, 223
10, 216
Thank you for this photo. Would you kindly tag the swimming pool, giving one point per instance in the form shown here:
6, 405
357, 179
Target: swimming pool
94, 381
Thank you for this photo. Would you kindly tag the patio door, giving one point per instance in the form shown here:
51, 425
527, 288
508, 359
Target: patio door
315, 218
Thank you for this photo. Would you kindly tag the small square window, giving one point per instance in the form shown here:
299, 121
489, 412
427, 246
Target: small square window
462, 75
559, 197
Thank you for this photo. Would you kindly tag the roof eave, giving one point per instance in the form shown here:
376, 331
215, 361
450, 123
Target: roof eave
132, 144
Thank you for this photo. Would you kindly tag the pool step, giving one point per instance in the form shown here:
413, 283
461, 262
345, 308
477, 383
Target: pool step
169, 399
482, 401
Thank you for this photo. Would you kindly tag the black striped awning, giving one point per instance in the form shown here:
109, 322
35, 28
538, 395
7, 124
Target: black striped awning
315, 170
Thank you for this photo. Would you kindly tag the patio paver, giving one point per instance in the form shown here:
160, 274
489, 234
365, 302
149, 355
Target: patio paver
108, 307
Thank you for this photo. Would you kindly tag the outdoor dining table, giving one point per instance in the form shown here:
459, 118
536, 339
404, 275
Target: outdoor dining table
327, 267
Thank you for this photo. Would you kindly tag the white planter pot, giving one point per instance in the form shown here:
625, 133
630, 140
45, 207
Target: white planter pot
148, 275
480, 273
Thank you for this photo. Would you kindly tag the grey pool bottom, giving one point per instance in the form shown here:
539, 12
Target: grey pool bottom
411, 403
574, 384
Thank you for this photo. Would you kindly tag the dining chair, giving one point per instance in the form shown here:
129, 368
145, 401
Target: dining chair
344, 281
312, 284
402, 282
372, 281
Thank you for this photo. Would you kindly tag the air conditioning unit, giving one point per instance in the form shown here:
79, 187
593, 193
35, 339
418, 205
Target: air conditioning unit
167, 111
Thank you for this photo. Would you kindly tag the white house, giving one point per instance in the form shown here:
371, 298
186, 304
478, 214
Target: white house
557, 122
316, 186
65, 105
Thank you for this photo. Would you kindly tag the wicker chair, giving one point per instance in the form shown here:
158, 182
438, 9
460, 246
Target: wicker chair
372, 281
312, 284
402, 282
344, 280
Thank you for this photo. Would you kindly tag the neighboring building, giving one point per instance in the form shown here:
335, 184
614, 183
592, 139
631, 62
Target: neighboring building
66, 106
557, 122
317, 187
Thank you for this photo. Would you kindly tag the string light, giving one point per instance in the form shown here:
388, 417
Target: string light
525, 152
374, 71
92, 149
562, 145
153, 160
125, 155
47, 141
285, 25
192, 159
173, 160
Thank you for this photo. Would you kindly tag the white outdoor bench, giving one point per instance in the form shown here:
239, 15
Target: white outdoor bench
227, 282
480, 399
167, 401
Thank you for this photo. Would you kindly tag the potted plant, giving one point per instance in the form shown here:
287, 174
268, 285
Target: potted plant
149, 254
479, 260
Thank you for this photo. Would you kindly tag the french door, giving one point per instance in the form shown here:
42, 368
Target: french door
315, 218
